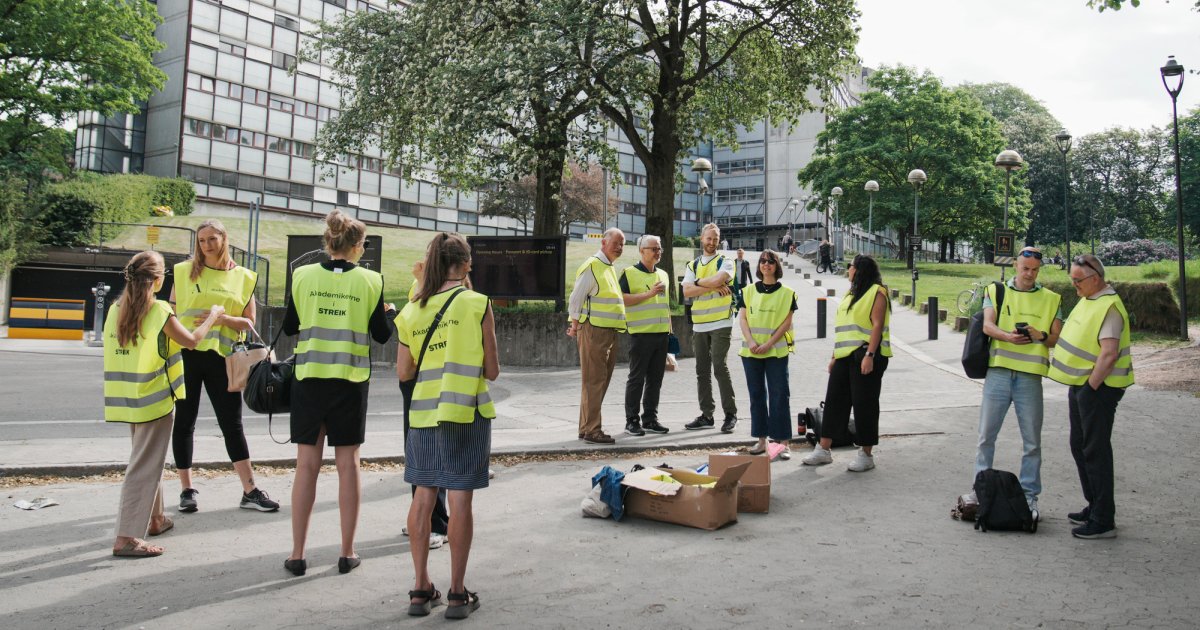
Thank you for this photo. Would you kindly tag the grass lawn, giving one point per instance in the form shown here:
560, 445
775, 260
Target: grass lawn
401, 248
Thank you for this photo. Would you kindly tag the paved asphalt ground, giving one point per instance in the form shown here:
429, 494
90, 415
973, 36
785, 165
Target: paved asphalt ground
837, 549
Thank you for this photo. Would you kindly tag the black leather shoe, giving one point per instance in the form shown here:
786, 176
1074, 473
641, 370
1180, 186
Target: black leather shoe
633, 427
701, 422
1080, 517
652, 426
730, 422
297, 567
346, 565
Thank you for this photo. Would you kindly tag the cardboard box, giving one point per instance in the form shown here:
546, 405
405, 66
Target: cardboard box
686, 503
754, 488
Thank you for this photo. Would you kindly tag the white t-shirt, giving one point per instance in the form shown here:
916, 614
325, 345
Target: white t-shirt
690, 276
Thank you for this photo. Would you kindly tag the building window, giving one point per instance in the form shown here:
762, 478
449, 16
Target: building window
287, 22
343, 198
470, 218
280, 60
233, 49
740, 167
747, 193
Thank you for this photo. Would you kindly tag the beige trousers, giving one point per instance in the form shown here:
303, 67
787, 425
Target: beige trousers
141, 493
597, 358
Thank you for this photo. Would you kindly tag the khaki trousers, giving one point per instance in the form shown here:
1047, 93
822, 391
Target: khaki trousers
141, 493
597, 358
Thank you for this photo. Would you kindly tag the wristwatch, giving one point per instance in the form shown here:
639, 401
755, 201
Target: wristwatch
870, 354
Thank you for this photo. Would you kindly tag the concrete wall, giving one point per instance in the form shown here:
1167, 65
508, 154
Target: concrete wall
524, 339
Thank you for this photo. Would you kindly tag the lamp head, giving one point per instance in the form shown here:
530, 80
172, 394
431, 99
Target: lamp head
871, 186
1009, 159
916, 177
701, 165
836, 192
1172, 69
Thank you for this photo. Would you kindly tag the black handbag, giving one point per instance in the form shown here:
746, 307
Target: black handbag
269, 386
977, 346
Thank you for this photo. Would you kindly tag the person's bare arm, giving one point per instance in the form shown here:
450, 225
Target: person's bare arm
1110, 349
180, 335
491, 353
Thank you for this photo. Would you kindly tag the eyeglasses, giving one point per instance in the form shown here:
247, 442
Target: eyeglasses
1083, 262
653, 249
1077, 281
768, 261
1028, 253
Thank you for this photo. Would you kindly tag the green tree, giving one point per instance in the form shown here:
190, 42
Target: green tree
1189, 161
582, 198
60, 57
1125, 173
20, 230
480, 90
1115, 5
910, 120
708, 66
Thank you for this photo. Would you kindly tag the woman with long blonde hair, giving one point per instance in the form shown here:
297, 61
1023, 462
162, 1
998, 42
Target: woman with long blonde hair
209, 279
142, 380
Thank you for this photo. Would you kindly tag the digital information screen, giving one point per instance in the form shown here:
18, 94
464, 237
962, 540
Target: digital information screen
519, 267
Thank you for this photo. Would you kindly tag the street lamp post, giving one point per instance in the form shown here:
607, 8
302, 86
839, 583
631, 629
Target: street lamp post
837, 222
871, 187
1063, 140
1174, 69
917, 178
1009, 160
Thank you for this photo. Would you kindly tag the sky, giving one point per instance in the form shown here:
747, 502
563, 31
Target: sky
1093, 71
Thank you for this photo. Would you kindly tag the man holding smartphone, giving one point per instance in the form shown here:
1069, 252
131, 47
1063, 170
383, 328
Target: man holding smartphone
1023, 329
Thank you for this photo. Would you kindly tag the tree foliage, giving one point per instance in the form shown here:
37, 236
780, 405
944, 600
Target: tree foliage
73, 207
582, 198
910, 120
1115, 5
1122, 173
20, 230
707, 66
1189, 160
59, 57
478, 90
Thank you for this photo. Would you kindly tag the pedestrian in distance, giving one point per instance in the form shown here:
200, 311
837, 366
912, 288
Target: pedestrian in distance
709, 282
449, 439
861, 350
648, 317
211, 278
766, 324
825, 256
1023, 330
742, 276
143, 377
1092, 357
336, 308
597, 313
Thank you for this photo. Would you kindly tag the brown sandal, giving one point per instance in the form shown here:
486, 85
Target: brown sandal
432, 598
165, 525
138, 548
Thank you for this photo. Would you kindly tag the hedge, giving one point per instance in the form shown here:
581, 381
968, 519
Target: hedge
72, 207
1151, 305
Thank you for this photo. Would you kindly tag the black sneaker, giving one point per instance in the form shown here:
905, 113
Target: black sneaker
633, 427
701, 422
652, 426
187, 500
258, 500
730, 422
1080, 517
1093, 530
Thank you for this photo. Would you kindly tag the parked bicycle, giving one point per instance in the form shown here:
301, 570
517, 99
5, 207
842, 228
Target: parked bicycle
968, 297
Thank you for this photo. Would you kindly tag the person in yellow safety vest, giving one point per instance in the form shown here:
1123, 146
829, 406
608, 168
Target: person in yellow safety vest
861, 351
1092, 357
1022, 331
336, 308
449, 440
708, 281
648, 316
212, 278
766, 323
143, 377
597, 314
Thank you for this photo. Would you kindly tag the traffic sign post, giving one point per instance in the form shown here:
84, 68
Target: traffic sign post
1005, 247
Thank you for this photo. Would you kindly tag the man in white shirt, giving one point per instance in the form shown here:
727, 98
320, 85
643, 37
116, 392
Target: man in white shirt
597, 314
707, 281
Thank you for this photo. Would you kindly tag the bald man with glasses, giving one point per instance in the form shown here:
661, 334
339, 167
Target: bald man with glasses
1093, 358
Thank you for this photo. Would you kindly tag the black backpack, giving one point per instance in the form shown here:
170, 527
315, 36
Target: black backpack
813, 419
977, 345
1002, 503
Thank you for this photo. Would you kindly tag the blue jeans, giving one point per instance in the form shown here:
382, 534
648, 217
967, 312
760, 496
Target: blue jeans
770, 411
1024, 391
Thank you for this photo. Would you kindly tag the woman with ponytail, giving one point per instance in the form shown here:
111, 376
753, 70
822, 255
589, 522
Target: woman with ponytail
209, 279
335, 305
143, 376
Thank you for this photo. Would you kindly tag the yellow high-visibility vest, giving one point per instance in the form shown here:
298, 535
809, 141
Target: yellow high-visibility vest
853, 325
335, 309
654, 314
232, 289
1037, 307
450, 386
712, 306
606, 309
766, 311
1078, 347
141, 380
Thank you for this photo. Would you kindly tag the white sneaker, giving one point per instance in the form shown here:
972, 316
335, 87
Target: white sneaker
862, 462
818, 457
437, 540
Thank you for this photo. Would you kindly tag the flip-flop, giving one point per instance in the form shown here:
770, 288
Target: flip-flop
470, 602
757, 450
432, 597
138, 549
166, 526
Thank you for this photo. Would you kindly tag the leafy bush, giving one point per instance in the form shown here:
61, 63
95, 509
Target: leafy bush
1122, 229
1135, 252
67, 217
681, 241
74, 206
177, 194
1151, 305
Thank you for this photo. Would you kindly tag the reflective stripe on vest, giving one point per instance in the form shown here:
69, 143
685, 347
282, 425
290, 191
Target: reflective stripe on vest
450, 386
335, 309
1078, 348
233, 289
139, 384
712, 306
853, 325
606, 309
1036, 307
654, 314
765, 312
